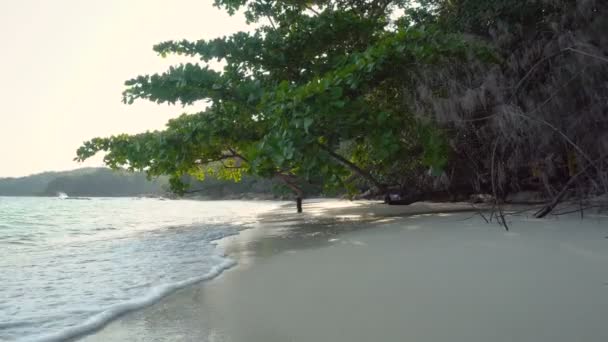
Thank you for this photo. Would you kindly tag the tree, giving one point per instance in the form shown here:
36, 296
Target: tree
371, 94
290, 97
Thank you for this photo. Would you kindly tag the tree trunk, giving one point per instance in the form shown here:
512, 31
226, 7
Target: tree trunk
294, 187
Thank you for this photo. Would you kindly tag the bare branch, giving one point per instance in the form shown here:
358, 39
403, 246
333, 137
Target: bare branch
501, 216
601, 58
547, 209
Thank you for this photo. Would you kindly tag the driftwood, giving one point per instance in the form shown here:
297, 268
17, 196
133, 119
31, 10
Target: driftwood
430, 196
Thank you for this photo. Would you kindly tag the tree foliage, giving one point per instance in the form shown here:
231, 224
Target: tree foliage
376, 94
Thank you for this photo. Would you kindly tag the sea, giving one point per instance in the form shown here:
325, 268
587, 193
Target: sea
69, 266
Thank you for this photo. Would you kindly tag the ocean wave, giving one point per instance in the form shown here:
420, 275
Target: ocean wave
102, 318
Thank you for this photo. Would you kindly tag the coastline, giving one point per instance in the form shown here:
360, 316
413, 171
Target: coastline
358, 271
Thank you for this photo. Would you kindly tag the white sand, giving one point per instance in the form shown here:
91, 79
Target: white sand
370, 275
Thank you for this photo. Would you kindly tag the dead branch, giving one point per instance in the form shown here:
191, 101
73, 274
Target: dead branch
501, 216
556, 130
575, 210
601, 58
549, 207
480, 213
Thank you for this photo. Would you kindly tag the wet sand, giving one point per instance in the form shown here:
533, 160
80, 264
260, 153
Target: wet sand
358, 271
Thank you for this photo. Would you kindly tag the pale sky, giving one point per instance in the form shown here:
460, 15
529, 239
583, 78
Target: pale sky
63, 64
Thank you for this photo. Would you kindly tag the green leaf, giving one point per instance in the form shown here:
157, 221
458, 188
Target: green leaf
307, 123
336, 92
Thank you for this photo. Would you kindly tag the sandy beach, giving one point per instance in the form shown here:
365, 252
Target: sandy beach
363, 271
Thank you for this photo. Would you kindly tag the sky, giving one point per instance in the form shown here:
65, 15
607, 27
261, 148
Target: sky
63, 64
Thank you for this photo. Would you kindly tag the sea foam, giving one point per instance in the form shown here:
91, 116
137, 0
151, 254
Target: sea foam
108, 314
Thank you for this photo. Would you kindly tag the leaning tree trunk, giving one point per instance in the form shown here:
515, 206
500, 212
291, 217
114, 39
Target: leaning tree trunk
287, 179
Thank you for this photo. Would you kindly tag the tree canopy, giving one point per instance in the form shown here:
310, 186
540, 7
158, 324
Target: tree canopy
415, 95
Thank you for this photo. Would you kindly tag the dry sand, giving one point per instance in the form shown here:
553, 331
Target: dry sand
359, 271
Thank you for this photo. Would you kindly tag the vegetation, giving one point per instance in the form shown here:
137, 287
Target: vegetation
26, 186
251, 187
83, 182
103, 182
416, 97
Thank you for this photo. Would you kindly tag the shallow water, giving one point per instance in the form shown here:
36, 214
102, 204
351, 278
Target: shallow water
69, 266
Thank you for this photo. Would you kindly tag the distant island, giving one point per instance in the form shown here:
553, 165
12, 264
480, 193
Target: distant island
94, 182
104, 182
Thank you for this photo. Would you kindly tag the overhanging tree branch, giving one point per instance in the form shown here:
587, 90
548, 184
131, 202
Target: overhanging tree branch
364, 174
